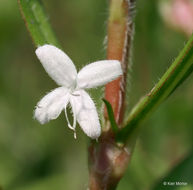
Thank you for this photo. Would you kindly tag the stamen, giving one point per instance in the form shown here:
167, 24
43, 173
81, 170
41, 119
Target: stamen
70, 127
74, 122
68, 119
74, 119
75, 94
74, 134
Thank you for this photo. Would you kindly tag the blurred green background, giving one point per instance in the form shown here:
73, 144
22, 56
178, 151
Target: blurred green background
36, 157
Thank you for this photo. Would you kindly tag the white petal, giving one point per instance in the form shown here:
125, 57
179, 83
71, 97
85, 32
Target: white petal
57, 64
85, 111
98, 73
51, 105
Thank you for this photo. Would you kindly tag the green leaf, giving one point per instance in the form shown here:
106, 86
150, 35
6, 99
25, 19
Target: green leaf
111, 116
183, 172
180, 69
37, 22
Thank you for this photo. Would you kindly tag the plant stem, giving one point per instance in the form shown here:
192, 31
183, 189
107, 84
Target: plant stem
107, 160
180, 69
107, 163
120, 34
37, 22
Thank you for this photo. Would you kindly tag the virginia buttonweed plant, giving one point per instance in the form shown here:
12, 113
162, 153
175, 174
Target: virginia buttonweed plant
110, 155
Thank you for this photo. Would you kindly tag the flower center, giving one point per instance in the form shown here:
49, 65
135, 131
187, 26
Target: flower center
73, 87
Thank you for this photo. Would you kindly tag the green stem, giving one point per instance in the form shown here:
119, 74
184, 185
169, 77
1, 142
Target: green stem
180, 69
37, 22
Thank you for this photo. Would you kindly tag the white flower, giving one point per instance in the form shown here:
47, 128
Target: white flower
62, 70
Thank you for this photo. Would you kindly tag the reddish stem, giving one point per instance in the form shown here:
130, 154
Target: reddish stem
107, 160
108, 163
118, 47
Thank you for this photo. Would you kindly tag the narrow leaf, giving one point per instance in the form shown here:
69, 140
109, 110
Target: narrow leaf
111, 116
37, 22
180, 69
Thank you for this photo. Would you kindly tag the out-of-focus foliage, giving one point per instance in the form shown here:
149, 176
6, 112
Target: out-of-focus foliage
36, 157
181, 175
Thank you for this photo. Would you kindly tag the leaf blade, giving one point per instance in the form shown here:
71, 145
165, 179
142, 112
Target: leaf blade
111, 116
180, 69
37, 23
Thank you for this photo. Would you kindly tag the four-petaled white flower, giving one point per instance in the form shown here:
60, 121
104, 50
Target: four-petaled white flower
62, 70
